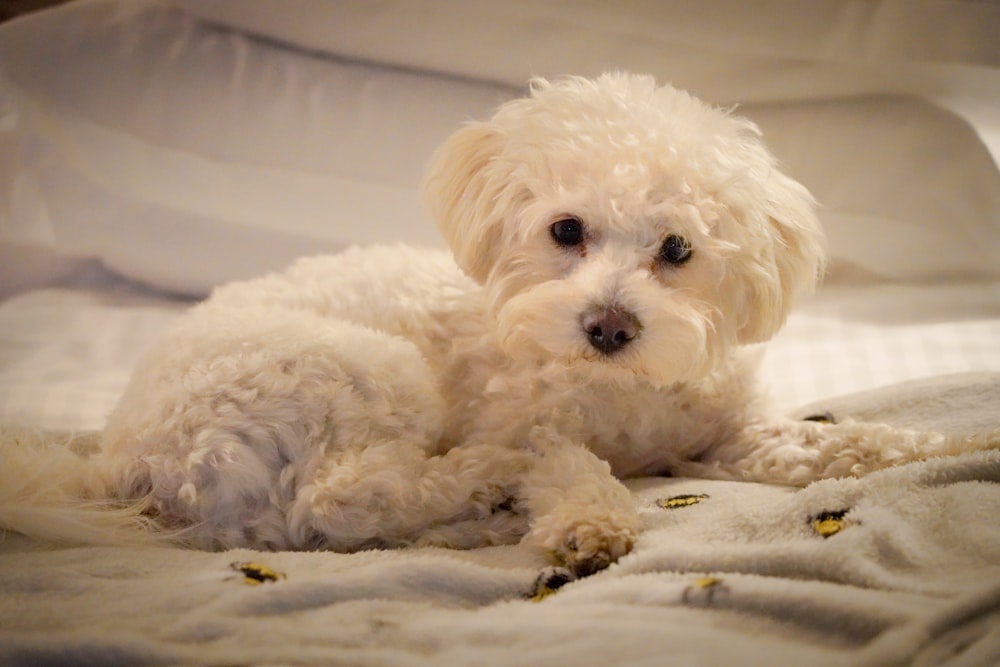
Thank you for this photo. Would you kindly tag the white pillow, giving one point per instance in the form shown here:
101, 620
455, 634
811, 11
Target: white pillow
907, 189
722, 50
184, 155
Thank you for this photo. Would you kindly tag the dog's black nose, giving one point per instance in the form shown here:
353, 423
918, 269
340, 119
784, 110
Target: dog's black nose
610, 329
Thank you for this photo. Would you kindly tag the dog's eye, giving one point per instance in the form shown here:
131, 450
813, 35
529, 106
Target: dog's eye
675, 250
567, 232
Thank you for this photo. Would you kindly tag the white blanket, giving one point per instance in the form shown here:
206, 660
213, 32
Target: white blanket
901, 567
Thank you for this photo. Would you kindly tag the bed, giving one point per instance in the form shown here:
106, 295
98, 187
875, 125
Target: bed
152, 149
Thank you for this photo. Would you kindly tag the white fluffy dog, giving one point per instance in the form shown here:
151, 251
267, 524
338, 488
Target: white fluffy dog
615, 246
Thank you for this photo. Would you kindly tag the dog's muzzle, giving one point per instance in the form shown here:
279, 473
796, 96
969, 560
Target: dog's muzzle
610, 328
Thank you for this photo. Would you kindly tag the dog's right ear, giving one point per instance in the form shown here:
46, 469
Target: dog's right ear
464, 190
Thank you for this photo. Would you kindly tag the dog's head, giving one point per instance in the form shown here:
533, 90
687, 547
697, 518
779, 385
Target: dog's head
616, 223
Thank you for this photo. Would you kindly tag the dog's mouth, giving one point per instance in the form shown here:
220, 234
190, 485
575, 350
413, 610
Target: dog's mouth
620, 362
613, 354
643, 335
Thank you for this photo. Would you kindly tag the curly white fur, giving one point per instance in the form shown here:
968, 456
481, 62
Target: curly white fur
387, 396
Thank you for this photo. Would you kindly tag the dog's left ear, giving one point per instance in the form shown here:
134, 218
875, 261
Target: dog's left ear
789, 263
464, 190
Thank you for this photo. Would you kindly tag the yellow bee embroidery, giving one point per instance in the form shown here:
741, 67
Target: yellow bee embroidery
548, 582
255, 574
828, 524
704, 591
686, 500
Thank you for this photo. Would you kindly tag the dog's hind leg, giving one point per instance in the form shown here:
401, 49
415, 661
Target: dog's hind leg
283, 429
392, 494
236, 411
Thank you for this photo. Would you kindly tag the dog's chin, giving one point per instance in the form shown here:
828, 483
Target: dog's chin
671, 348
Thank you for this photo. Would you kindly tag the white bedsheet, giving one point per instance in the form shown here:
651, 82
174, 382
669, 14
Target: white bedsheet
66, 352
852, 338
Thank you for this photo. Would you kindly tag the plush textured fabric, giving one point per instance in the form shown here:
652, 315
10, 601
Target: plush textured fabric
900, 567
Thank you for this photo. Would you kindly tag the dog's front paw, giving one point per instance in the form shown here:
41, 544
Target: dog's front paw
586, 544
587, 549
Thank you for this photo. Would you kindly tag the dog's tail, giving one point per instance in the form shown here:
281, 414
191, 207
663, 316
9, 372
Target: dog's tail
51, 489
